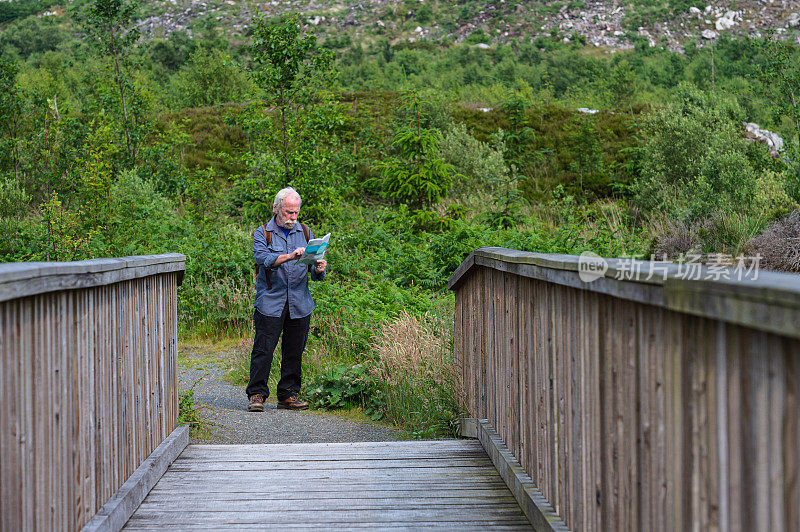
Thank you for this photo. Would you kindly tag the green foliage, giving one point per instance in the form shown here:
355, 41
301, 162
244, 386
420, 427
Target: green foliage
10, 109
209, 77
96, 173
61, 236
26, 37
13, 200
23, 8
191, 413
586, 154
289, 67
109, 25
780, 78
476, 164
342, 387
416, 175
695, 162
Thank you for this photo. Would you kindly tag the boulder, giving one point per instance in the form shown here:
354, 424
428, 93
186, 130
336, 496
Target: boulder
753, 133
727, 21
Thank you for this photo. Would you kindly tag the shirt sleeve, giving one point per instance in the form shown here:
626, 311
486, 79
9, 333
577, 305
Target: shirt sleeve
261, 251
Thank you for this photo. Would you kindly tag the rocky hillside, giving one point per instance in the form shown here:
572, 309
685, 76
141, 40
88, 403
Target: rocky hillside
597, 23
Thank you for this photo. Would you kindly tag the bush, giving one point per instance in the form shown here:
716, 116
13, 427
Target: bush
342, 387
779, 244
192, 413
477, 165
210, 77
694, 163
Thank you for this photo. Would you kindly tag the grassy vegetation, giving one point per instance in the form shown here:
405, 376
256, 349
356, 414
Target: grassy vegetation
420, 153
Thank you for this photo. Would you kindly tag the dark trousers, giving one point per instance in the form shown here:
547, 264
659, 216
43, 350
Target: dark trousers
295, 335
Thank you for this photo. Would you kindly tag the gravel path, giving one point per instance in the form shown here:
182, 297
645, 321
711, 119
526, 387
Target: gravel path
227, 408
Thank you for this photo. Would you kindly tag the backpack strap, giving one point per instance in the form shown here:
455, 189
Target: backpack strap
306, 232
268, 237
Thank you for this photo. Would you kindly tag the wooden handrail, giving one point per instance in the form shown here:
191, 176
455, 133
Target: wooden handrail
89, 382
638, 401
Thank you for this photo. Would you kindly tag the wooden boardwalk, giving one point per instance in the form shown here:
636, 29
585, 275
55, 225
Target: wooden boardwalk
412, 485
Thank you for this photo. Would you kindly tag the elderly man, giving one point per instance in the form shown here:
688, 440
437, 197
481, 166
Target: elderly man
283, 302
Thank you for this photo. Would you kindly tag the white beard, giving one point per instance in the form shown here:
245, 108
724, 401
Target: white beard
288, 224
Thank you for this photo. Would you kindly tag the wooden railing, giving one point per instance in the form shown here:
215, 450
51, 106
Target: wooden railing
639, 400
88, 373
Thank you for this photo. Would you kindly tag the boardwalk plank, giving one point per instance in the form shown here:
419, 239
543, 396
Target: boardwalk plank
501, 525
399, 484
318, 465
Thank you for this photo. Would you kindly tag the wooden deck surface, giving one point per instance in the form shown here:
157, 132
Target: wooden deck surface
413, 485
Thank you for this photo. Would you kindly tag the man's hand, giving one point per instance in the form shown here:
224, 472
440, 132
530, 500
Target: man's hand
320, 266
294, 255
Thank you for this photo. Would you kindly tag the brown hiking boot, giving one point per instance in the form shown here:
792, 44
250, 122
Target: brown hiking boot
256, 403
292, 403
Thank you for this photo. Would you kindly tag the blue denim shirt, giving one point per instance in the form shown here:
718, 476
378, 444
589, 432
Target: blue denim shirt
289, 280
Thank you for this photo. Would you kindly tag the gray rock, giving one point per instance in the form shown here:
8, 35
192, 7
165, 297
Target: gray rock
753, 133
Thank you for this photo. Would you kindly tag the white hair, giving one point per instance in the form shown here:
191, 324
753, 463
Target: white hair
281, 196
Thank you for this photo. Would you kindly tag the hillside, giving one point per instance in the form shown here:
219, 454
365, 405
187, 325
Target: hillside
600, 24
614, 25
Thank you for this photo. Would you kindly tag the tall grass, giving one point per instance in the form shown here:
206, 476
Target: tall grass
415, 371
221, 308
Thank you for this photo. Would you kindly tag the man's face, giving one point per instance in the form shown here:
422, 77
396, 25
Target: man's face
287, 213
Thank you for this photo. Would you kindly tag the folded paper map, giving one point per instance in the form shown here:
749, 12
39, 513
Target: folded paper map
315, 250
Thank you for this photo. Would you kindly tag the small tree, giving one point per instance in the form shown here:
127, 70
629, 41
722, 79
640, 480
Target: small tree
586, 152
290, 67
10, 108
416, 174
109, 25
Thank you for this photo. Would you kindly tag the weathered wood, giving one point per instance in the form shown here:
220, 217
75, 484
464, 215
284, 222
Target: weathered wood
18, 280
536, 508
68, 347
403, 525
653, 404
205, 488
118, 509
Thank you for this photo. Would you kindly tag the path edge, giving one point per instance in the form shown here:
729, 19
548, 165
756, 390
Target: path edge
120, 507
536, 507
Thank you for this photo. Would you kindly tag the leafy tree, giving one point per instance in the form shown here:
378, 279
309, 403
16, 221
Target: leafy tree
210, 77
10, 111
110, 26
780, 77
290, 67
695, 162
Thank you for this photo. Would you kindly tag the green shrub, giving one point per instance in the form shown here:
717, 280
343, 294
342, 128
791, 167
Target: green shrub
192, 413
342, 387
476, 163
209, 77
695, 161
